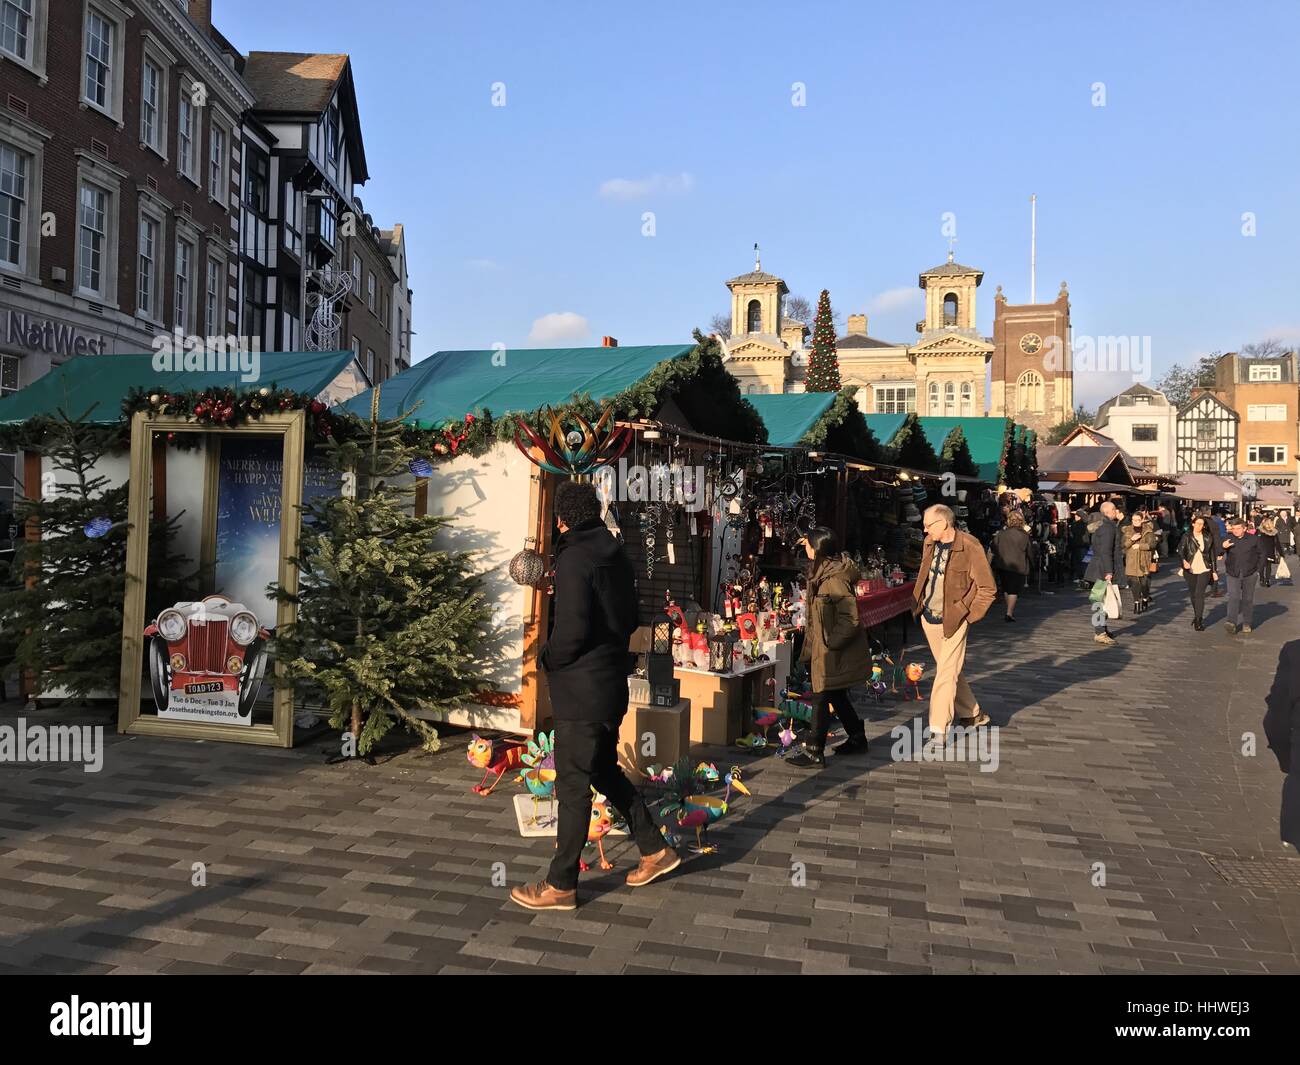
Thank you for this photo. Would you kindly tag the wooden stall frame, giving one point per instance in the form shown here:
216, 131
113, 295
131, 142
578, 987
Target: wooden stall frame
144, 428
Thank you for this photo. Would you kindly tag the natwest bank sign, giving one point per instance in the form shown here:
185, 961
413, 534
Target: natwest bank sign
37, 333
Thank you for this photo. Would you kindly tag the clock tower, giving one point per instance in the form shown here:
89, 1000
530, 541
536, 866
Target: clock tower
1032, 366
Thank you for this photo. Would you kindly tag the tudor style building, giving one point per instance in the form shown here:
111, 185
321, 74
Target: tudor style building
1207, 435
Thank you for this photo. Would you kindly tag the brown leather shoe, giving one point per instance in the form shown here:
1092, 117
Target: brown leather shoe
541, 896
652, 867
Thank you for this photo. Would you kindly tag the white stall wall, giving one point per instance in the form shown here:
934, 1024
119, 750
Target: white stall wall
185, 472
487, 498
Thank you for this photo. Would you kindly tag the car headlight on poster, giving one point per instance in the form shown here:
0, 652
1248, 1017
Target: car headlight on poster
243, 629
171, 625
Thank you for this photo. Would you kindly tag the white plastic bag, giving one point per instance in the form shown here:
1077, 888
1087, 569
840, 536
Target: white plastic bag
1283, 570
1113, 602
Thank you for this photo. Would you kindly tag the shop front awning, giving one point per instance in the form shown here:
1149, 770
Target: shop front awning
99, 383
1088, 487
1275, 495
1207, 488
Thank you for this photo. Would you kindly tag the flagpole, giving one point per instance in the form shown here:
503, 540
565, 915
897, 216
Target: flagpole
1033, 248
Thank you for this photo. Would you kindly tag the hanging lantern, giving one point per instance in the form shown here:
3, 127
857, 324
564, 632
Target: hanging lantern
528, 568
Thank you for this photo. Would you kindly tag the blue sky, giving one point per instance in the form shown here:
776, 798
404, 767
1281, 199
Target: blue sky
911, 111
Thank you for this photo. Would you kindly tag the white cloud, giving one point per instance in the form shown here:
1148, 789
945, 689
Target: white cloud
485, 265
637, 188
895, 299
558, 327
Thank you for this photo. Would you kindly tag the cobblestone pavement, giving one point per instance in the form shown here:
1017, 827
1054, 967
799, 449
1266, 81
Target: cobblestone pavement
1128, 756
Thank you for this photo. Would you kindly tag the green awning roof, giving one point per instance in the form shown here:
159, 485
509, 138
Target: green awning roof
984, 437
885, 426
788, 416
450, 384
103, 381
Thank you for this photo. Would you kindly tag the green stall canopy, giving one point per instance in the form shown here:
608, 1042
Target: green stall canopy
102, 382
790, 415
450, 384
984, 438
885, 426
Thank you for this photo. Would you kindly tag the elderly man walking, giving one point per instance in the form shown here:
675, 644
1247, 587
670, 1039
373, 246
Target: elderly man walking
1107, 565
953, 591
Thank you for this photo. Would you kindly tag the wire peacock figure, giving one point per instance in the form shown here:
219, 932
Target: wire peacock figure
332, 285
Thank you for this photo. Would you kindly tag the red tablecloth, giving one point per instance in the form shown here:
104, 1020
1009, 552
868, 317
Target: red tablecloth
878, 607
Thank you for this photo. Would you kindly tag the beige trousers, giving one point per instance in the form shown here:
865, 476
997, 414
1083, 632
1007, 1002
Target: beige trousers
950, 695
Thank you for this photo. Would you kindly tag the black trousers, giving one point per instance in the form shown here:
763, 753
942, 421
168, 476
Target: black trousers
821, 716
586, 757
1197, 583
1141, 588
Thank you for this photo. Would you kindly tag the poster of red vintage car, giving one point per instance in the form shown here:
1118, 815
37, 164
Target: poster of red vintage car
207, 660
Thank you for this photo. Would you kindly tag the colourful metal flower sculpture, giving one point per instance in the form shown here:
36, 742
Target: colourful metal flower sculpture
571, 451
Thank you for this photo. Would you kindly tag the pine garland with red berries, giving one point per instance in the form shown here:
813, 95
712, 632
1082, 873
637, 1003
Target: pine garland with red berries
824, 365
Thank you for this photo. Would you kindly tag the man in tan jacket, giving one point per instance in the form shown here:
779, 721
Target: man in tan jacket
954, 589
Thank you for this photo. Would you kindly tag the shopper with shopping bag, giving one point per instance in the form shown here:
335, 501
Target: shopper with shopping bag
1106, 571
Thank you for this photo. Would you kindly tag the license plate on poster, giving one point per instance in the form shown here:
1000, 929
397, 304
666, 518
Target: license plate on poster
215, 706
204, 688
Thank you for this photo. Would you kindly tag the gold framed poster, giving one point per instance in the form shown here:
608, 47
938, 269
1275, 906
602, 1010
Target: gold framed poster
197, 698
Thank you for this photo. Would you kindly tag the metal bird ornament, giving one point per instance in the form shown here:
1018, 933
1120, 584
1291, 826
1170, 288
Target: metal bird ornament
538, 774
573, 449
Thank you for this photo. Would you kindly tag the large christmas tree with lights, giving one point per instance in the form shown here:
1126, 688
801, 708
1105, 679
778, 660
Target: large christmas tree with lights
824, 365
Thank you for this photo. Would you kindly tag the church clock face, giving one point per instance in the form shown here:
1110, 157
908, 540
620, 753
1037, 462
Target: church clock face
1030, 343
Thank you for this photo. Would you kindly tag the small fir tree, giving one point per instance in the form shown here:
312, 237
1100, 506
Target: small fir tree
910, 449
956, 457
387, 623
62, 606
824, 365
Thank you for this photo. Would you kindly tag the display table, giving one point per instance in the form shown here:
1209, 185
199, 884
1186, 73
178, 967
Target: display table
722, 703
876, 608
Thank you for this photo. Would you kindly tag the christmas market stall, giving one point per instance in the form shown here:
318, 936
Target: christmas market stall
673, 450
153, 499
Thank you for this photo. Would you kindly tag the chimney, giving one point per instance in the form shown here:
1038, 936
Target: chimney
201, 12
608, 342
857, 325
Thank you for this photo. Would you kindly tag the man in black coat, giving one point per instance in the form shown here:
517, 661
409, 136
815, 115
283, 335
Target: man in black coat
1282, 727
1107, 565
587, 663
1244, 559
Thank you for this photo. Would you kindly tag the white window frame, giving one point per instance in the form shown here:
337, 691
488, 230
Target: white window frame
370, 364
153, 51
220, 190
116, 15
1263, 412
185, 319
189, 168
29, 139
357, 271
1253, 459
885, 397
370, 290
1155, 431
37, 38
158, 217
1255, 373
108, 182
215, 318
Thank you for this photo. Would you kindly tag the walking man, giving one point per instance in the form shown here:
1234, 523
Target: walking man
1107, 565
587, 663
953, 591
1244, 560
